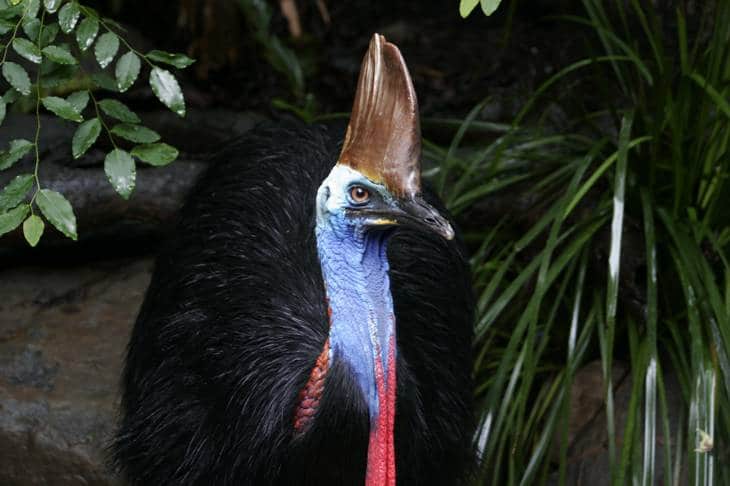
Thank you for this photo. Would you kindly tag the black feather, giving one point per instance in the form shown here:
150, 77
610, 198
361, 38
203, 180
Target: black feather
235, 317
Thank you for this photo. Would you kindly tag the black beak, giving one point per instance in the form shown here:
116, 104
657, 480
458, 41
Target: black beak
413, 212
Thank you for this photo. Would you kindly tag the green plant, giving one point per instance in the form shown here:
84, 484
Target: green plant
550, 298
488, 6
61, 86
281, 58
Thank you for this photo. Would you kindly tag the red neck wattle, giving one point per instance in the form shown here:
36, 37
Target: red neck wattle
381, 448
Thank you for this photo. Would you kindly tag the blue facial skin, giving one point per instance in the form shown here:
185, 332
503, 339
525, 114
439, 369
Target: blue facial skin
355, 270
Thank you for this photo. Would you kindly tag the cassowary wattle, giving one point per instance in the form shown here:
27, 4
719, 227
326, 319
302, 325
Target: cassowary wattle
310, 321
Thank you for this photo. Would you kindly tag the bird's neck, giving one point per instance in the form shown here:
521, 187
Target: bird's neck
362, 333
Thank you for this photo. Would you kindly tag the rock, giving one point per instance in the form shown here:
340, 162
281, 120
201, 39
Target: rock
63, 333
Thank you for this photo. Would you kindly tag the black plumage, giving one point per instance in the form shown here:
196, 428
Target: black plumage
236, 315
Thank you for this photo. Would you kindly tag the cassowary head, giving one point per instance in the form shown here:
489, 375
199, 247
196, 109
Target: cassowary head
377, 180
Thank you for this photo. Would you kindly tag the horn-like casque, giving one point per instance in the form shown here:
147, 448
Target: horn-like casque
383, 140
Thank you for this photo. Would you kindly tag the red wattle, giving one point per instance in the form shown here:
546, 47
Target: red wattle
381, 448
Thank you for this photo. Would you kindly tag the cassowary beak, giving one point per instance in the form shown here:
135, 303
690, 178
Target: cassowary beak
383, 140
416, 213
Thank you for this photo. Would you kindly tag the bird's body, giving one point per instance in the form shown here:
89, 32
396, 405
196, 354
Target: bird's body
242, 369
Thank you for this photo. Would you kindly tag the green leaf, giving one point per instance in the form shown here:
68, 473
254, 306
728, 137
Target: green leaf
62, 108
32, 7
105, 81
3, 109
135, 133
49, 34
489, 6
14, 193
15, 2
11, 96
27, 49
31, 27
59, 55
33, 229
59, 74
68, 17
127, 70
79, 100
180, 61
156, 154
12, 219
167, 90
6, 26
719, 99
18, 148
58, 211
86, 32
85, 136
17, 77
106, 48
118, 110
119, 167
52, 7
466, 7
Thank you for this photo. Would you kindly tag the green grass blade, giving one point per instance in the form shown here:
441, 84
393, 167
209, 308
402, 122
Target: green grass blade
650, 436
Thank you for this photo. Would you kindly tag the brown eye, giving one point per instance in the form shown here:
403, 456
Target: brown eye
359, 194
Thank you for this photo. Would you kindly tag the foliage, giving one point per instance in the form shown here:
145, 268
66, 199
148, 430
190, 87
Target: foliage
488, 6
258, 15
61, 85
652, 167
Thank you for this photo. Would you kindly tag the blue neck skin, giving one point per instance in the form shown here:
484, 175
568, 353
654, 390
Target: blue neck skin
355, 270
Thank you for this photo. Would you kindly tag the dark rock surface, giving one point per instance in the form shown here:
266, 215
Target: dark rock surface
63, 333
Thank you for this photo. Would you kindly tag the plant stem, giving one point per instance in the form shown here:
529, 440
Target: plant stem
89, 13
37, 118
101, 120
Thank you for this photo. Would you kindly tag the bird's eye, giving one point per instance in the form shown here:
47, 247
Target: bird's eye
359, 194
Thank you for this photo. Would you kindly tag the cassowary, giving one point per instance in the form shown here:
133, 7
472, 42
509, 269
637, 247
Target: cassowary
310, 322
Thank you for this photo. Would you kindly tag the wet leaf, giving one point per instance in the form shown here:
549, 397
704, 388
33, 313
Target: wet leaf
106, 48
6, 26
105, 81
12, 219
156, 154
52, 7
17, 150
58, 211
14, 193
179, 61
79, 100
33, 229
62, 108
68, 17
135, 133
59, 55
489, 6
120, 169
32, 7
466, 7
118, 110
49, 34
127, 70
167, 90
85, 136
17, 77
31, 27
27, 49
86, 32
